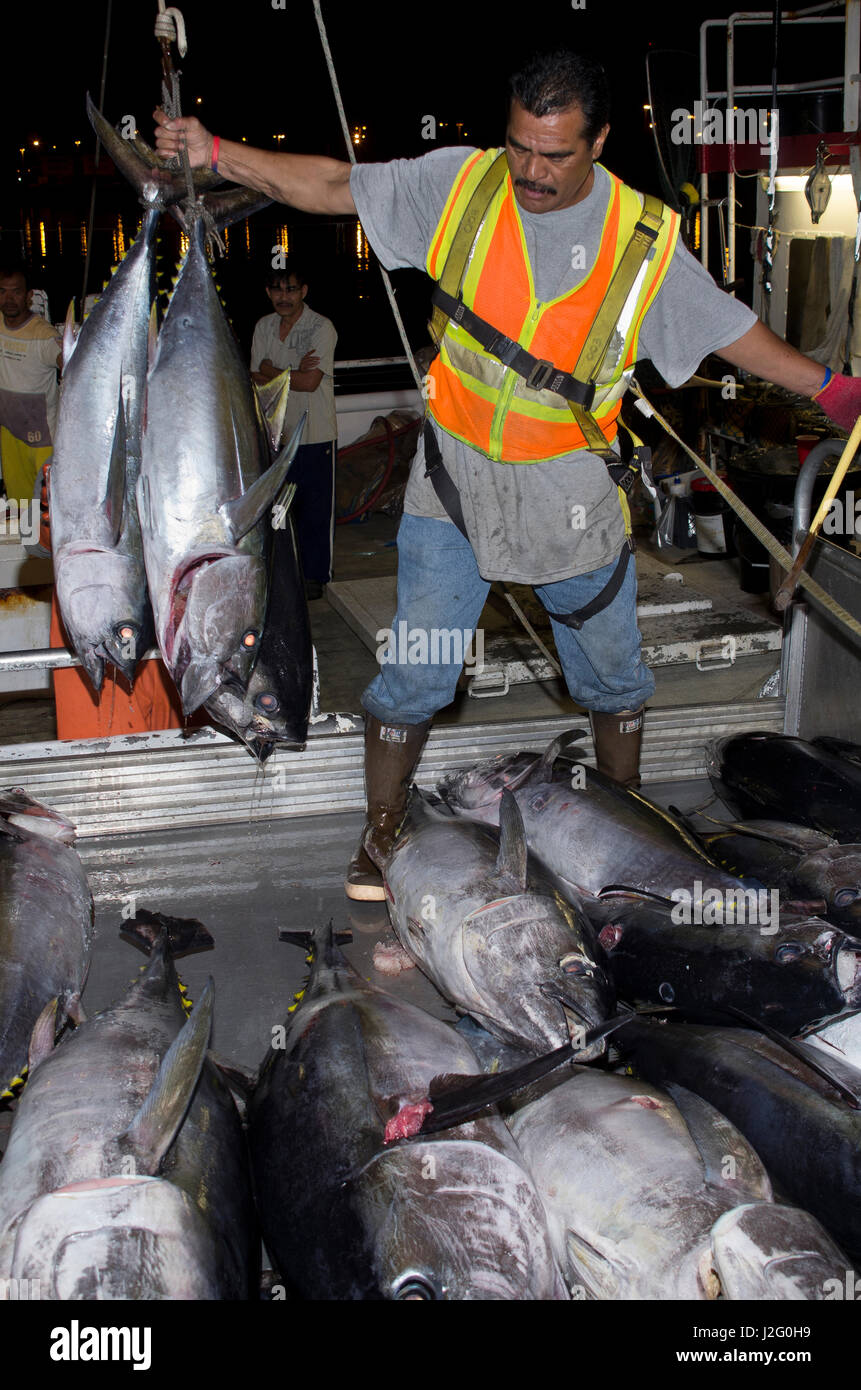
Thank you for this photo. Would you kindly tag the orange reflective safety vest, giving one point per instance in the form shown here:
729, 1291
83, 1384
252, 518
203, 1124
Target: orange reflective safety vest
471, 394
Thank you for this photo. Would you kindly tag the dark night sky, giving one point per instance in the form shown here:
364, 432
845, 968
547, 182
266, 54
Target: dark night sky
264, 74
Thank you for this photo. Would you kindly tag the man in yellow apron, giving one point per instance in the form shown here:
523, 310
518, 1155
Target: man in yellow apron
29, 358
553, 279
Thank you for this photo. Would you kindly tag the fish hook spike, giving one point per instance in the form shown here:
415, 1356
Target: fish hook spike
170, 25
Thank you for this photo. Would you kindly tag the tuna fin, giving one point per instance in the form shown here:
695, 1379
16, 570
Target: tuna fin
199, 682
273, 397
543, 771
154, 185
511, 861
115, 488
280, 508
185, 935
152, 337
589, 1267
241, 514
457, 1105
51, 1021
20, 809
157, 1122
70, 336
43, 1035
799, 1051
719, 1141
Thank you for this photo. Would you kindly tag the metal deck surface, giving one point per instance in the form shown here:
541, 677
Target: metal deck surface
246, 882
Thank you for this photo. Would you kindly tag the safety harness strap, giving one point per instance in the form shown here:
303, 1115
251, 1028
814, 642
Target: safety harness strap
540, 374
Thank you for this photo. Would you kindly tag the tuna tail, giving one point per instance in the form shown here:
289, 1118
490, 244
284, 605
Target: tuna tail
511, 862
157, 1122
155, 186
185, 935
221, 209
241, 514
322, 943
155, 182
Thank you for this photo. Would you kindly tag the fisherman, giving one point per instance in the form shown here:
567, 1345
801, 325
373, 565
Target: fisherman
297, 337
29, 357
519, 475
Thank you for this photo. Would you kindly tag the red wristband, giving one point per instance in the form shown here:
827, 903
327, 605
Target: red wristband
213, 163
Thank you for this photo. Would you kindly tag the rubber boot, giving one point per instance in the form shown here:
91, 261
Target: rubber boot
391, 754
617, 745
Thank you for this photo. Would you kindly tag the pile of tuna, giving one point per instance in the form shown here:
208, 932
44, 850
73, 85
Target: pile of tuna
168, 496
622, 1115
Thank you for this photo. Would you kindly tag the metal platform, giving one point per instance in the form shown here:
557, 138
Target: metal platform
173, 781
679, 624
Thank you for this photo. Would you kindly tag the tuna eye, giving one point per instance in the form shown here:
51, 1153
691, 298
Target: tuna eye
126, 632
573, 965
415, 1287
249, 639
844, 896
790, 951
267, 704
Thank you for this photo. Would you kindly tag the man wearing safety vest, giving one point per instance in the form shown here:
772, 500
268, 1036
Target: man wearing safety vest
554, 279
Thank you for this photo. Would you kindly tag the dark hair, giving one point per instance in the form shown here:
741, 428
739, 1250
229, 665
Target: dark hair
10, 268
554, 81
291, 267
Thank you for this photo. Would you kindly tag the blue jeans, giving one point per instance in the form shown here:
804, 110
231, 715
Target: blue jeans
441, 590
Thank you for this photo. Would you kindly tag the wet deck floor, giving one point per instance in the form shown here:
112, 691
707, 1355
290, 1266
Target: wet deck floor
245, 883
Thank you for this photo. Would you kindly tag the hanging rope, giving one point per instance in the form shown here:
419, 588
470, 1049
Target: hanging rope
774, 140
327, 52
170, 28
763, 535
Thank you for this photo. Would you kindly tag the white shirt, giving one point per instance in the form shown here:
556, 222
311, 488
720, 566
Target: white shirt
310, 333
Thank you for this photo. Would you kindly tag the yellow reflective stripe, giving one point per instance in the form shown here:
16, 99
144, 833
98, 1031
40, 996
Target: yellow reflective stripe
552, 414
447, 226
626, 511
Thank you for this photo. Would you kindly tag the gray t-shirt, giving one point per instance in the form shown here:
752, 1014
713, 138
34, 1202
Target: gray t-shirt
541, 522
310, 333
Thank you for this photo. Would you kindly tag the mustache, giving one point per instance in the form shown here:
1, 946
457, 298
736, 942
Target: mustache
534, 187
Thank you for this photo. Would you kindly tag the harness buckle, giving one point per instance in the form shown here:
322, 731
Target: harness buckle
540, 374
504, 348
